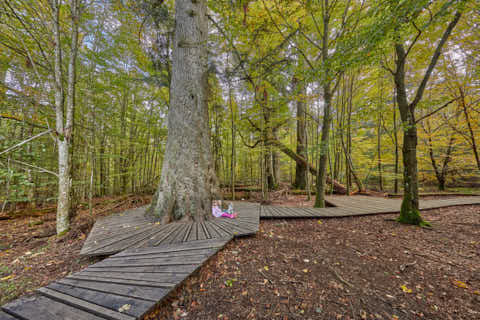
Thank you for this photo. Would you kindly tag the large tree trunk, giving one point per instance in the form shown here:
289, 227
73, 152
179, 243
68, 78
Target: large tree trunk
185, 189
300, 168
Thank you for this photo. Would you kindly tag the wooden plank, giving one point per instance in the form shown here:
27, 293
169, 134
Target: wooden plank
184, 246
153, 294
6, 316
191, 226
216, 231
107, 300
163, 277
136, 283
164, 238
194, 259
39, 307
183, 253
202, 234
187, 268
85, 305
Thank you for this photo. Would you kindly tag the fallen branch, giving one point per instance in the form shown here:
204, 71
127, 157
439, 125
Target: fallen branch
339, 277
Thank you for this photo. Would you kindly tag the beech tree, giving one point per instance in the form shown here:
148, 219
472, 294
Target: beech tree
409, 12
185, 188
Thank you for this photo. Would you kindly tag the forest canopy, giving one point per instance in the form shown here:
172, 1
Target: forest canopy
323, 96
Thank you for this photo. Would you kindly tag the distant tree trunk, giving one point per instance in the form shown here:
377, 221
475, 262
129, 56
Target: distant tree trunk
324, 142
233, 156
300, 168
186, 183
440, 173
379, 151
327, 118
395, 139
473, 141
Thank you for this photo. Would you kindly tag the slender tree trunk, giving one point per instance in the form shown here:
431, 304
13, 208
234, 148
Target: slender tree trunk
185, 189
327, 97
409, 213
379, 151
64, 118
300, 168
395, 139
473, 141
233, 160
324, 142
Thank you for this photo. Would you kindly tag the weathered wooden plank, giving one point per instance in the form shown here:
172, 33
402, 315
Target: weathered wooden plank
202, 234
39, 307
184, 253
6, 316
145, 261
184, 246
187, 268
172, 277
153, 294
215, 231
107, 300
85, 305
137, 283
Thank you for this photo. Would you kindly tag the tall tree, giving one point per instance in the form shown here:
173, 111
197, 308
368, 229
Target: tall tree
64, 111
410, 213
184, 191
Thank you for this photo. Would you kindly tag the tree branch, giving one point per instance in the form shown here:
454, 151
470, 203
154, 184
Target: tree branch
434, 60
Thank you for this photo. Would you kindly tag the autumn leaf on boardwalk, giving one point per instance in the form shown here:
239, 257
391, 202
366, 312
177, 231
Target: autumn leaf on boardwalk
124, 308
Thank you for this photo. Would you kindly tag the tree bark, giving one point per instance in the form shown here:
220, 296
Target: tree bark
187, 180
300, 168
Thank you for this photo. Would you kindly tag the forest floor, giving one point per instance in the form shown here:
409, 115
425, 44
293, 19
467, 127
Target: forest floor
31, 255
350, 268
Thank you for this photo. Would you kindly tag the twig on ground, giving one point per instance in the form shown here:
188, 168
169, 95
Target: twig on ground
339, 277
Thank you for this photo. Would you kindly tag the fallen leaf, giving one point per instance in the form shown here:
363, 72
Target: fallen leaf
7, 277
305, 270
405, 289
124, 308
266, 268
363, 314
460, 284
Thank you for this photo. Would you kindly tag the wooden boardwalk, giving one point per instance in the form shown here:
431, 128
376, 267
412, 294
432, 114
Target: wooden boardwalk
122, 287
358, 206
154, 259
131, 229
